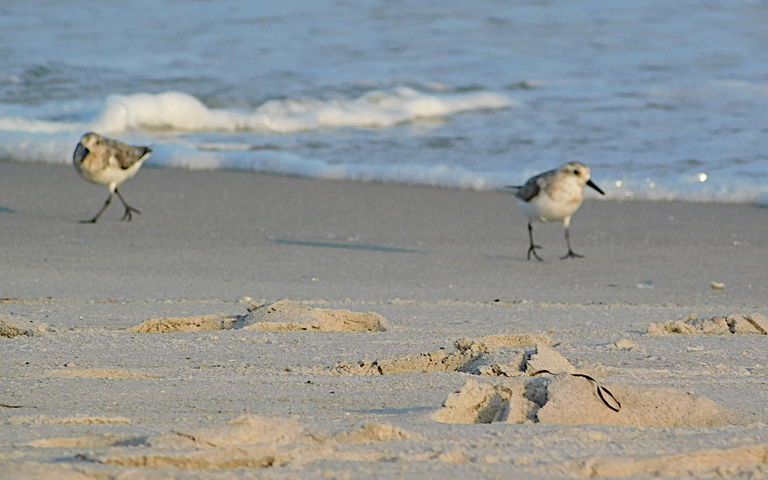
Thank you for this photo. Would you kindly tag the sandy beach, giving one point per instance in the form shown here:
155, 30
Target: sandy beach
665, 314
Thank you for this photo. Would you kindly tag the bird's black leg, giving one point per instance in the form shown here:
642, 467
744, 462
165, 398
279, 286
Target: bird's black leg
106, 204
570, 253
533, 247
128, 208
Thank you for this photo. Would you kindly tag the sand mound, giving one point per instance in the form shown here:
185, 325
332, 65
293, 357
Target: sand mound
485, 403
548, 390
376, 432
567, 399
281, 316
691, 325
89, 440
512, 401
626, 344
437, 361
250, 441
183, 324
546, 359
244, 430
499, 341
573, 401
15, 326
494, 355
250, 456
286, 315
744, 462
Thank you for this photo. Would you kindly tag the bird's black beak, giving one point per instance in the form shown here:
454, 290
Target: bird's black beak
80, 152
592, 184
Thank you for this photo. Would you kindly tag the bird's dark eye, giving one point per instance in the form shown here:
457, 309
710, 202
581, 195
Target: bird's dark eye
575, 172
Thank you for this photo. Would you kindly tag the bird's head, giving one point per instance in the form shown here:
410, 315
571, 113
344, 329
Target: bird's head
581, 173
91, 140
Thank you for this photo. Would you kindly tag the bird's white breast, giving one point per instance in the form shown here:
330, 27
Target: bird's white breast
556, 202
109, 173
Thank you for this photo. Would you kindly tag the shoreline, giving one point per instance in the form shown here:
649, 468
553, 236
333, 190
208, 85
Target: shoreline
270, 236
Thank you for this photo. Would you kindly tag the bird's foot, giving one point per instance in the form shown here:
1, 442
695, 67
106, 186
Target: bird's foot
532, 250
571, 254
127, 215
92, 220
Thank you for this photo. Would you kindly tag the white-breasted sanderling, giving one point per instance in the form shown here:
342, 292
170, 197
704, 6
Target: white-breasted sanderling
554, 196
108, 162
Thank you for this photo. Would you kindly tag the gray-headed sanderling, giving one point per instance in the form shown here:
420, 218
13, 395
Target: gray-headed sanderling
108, 162
554, 196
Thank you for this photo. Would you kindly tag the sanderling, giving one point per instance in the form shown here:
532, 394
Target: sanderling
554, 196
108, 162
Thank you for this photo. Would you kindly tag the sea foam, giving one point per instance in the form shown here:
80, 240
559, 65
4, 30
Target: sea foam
177, 111
186, 133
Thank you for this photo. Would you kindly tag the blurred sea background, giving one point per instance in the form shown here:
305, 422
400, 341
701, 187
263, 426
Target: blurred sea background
663, 100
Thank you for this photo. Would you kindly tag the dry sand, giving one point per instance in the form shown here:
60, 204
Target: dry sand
255, 326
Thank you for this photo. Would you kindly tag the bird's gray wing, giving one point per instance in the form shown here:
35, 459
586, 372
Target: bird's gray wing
127, 155
528, 191
533, 186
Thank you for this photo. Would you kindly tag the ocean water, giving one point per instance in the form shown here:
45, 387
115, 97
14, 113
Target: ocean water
663, 99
